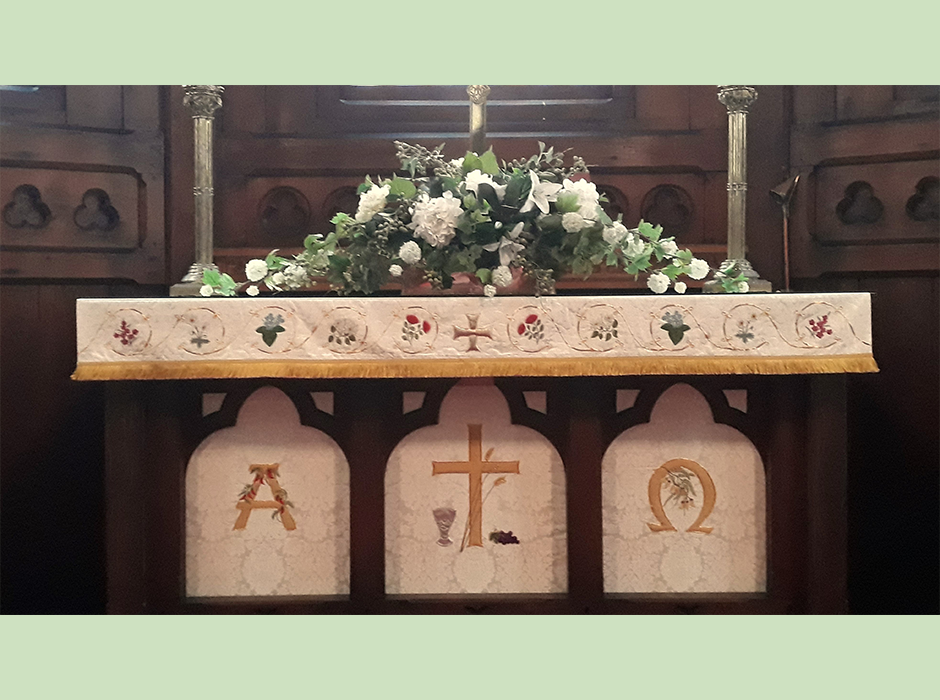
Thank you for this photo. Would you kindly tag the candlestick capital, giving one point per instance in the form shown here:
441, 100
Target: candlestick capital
203, 100
737, 98
478, 93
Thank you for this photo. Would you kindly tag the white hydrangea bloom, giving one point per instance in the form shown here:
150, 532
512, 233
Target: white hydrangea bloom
658, 282
670, 248
588, 196
435, 220
252, 291
255, 270
410, 253
371, 202
395, 270
681, 287
295, 275
698, 269
475, 178
489, 290
502, 276
572, 222
206, 290
635, 246
742, 287
278, 279
613, 235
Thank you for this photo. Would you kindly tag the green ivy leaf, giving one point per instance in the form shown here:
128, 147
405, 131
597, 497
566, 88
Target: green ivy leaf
212, 277
402, 187
472, 162
488, 162
484, 275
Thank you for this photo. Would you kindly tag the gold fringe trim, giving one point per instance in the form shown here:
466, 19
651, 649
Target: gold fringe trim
489, 367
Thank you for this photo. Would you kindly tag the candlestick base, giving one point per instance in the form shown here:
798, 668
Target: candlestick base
192, 282
754, 283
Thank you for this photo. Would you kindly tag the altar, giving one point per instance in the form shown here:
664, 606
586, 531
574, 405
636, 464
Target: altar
559, 454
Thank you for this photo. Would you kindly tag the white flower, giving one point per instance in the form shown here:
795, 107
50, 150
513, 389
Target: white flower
635, 246
278, 278
588, 196
614, 234
255, 270
507, 246
394, 270
698, 269
252, 291
371, 202
681, 287
295, 275
540, 194
435, 219
457, 163
206, 290
410, 253
658, 282
742, 287
572, 222
489, 290
475, 178
502, 276
670, 248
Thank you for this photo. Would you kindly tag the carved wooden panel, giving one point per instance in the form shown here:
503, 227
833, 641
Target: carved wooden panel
101, 180
868, 204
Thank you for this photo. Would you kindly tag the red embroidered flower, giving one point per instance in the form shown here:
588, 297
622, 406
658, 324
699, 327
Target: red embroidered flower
531, 318
426, 326
521, 328
411, 318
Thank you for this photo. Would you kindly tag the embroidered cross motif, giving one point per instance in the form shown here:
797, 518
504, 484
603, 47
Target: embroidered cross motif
472, 333
475, 467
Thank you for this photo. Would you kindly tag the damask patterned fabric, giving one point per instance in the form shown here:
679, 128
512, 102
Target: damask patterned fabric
399, 336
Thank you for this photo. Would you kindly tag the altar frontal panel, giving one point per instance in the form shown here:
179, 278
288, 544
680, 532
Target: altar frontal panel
683, 504
475, 504
267, 507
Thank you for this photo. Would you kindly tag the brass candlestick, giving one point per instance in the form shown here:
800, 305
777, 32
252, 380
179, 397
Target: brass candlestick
478, 95
203, 101
738, 99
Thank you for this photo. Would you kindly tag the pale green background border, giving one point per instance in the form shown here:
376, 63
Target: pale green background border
506, 42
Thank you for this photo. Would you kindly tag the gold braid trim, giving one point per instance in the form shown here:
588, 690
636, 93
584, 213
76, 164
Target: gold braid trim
495, 367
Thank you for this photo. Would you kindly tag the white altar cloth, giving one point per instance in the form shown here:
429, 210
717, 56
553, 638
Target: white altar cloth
313, 337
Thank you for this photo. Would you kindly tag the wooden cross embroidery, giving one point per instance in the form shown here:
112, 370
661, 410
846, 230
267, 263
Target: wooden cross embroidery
476, 467
472, 333
247, 503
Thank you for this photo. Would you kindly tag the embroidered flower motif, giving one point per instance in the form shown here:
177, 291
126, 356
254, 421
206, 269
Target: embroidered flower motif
745, 329
126, 334
605, 329
532, 328
820, 326
199, 338
675, 326
270, 328
413, 328
678, 484
343, 332
500, 537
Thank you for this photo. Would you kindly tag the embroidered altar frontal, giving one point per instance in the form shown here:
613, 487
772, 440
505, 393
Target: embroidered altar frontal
305, 337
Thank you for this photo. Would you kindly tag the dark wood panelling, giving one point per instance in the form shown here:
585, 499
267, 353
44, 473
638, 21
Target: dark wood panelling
64, 165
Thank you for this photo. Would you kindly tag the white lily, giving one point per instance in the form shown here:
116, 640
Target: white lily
507, 246
540, 194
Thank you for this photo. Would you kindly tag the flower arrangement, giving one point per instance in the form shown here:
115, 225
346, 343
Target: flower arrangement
473, 218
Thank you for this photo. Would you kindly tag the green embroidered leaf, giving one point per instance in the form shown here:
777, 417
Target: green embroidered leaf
676, 333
